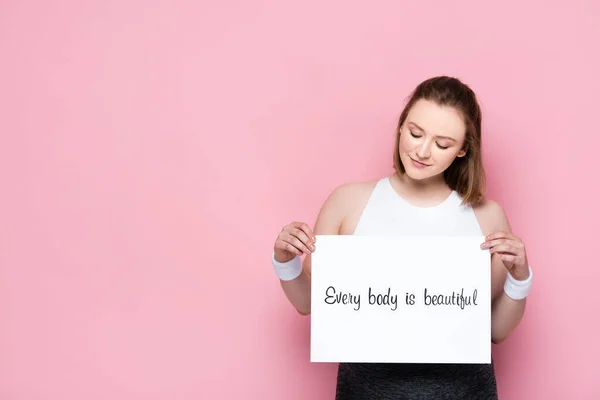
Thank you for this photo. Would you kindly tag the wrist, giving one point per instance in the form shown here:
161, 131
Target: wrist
289, 270
278, 258
518, 289
520, 274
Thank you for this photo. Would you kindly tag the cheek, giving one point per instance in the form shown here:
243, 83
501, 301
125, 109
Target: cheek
446, 156
405, 144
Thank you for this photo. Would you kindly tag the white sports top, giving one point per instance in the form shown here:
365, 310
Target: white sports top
387, 213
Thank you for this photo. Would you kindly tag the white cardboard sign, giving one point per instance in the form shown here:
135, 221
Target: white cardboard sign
399, 299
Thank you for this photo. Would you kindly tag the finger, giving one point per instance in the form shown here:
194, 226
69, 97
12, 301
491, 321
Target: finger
500, 242
305, 228
495, 242
296, 242
518, 246
302, 231
500, 235
505, 248
283, 245
303, 238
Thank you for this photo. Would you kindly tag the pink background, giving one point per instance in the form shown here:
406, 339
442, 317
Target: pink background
151, 152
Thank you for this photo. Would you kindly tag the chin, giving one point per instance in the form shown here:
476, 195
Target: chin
416, 174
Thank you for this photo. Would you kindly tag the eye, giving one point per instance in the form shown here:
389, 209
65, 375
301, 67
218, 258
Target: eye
413, 135
442, 147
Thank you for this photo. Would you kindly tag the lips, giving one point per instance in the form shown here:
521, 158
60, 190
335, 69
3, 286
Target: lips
419, 164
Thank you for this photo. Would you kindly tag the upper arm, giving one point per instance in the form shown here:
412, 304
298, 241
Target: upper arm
330, 217
492, 218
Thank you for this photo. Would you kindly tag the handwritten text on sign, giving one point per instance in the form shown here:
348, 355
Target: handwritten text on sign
400, 299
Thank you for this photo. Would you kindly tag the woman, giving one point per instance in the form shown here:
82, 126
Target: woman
437, 188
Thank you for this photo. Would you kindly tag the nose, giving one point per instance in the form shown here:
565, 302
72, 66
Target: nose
424, 151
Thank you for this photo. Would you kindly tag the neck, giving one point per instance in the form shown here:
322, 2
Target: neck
430, 186
423, 193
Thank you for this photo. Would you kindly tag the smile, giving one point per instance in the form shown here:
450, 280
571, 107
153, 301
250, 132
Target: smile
418, 164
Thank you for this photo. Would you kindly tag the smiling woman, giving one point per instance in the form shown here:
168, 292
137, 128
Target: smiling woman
438, 188
438, 126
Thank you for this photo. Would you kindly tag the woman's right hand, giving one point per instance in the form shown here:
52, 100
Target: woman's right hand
294, 239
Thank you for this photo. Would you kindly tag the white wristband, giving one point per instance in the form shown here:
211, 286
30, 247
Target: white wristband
289, 270
518, 290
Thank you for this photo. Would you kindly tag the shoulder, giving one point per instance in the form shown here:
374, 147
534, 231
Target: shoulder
341, 202
490, 208
491, 216
345, 196
348, 192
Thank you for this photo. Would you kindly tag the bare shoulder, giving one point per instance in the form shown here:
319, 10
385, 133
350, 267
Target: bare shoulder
349, 193
491, 216
341, 205
356, 195
339, 210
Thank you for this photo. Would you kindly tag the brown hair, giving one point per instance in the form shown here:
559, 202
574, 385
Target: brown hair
466, 174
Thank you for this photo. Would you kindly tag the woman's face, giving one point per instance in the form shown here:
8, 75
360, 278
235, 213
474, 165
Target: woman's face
430, 139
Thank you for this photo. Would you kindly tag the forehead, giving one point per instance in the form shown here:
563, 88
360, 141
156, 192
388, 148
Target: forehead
437, 120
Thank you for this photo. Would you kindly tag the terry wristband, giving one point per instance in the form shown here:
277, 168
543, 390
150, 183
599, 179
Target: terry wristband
289, 270
515, 289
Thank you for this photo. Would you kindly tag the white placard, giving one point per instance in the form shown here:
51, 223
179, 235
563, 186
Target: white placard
400, 299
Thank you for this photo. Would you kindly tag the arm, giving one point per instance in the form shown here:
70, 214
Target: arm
328, 222
506, 315
508, 256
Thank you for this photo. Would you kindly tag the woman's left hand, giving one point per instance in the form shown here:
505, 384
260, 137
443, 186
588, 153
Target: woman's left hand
511, 251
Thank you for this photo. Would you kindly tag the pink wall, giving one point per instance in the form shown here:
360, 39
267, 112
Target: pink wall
151, 151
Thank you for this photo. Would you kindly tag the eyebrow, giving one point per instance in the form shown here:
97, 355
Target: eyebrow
423, 130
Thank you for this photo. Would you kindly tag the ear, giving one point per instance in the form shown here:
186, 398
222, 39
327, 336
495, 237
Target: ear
462, 153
